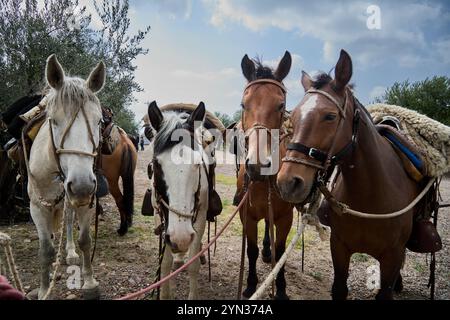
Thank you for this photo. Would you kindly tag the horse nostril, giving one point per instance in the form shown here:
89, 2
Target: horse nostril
296, 183
69, 186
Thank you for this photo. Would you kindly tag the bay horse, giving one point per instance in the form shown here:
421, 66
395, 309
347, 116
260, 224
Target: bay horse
331, 125
61, 163
180, 187
121, 163
263, 106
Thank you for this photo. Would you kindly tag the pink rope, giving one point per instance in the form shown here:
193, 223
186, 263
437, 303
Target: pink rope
188, 263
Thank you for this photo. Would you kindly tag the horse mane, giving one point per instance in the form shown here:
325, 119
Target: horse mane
263, 71
163, 138
70, 96
321, 79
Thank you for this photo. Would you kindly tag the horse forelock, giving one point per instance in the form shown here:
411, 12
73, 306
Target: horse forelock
73, 94
163, 138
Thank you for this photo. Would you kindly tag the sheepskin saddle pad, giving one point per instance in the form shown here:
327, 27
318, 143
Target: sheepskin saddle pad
427, 141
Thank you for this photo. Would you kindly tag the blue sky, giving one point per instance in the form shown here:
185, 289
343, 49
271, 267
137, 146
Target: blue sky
196, 46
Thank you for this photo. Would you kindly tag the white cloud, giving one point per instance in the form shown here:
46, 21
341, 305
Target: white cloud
175, 8
341, 25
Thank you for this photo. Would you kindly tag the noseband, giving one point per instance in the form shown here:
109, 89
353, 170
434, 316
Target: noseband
324, 160
58, 151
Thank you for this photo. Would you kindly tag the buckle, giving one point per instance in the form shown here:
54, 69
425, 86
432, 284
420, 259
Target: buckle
312, 152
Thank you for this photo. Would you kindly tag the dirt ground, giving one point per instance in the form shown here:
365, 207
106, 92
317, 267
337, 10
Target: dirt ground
127, 264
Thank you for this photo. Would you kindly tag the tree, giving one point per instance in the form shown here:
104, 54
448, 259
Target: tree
29, 34
430, 97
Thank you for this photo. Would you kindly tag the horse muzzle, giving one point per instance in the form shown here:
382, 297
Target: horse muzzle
293, 188
80, 191
257, 172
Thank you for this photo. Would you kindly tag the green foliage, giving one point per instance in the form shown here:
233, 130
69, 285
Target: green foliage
430, 97
30, 33
227, 119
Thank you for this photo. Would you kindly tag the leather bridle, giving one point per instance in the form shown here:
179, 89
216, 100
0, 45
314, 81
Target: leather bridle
320, 159
261, 126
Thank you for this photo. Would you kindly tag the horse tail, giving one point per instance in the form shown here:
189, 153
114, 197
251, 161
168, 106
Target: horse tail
127, 174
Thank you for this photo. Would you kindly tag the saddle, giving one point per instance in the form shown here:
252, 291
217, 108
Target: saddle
409, 154
424, 237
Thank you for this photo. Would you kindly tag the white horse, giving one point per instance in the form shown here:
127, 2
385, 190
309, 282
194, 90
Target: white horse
180, 188
61, 175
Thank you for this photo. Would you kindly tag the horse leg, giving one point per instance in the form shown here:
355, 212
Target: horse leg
266, 254
84, 241
390, 266
166, 266
398, 287
341, 262
194, 268
252, 254
283, 227
115, 192
72, 257
43, 219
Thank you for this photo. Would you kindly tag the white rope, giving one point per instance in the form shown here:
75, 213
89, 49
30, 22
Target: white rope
346, 209
270, 278
5, 241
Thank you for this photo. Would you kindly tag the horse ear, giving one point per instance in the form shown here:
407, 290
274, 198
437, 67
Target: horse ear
155, 116
97, 78
197, 115
343, 71
54, 72
248, 68
307, 82
283, 67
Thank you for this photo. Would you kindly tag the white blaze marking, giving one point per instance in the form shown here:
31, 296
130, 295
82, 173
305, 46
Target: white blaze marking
308, 106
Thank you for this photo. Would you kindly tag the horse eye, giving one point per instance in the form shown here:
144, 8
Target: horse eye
281, 107
330, 117
242, 106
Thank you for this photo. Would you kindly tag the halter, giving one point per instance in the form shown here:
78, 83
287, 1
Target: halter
58, 151
261, 126
325, 159
160, 200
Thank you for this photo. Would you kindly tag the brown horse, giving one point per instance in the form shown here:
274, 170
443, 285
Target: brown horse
331, 125
263, 104
121, 164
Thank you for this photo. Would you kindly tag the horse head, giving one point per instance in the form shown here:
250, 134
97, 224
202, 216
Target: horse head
180, 177
74, 114
322, 129
263, 105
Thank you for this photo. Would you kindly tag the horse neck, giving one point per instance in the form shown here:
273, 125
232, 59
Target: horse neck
370, 169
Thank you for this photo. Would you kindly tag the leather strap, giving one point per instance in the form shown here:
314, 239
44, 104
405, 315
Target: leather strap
313, 153
271, 81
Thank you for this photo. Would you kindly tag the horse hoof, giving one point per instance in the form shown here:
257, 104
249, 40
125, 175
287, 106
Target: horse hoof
73, 261
91, 294
398, 287
202, 259
281, 296
266, 259
122, 231
248, 292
